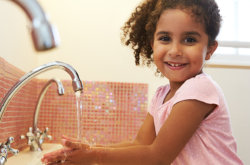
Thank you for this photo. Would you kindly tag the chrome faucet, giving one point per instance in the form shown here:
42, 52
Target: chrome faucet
45, 36
76, 83
3, 154
5, 148
35, 139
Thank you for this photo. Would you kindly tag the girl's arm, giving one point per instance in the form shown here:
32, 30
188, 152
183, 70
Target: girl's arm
181, 124
177, 130
145, 136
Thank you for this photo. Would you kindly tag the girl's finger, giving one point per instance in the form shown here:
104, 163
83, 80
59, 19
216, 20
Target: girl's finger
56, 158
69, 138
53, 153
67, 151
71, 145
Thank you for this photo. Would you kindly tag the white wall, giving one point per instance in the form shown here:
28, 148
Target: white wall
90, 35
90, 42
15, 41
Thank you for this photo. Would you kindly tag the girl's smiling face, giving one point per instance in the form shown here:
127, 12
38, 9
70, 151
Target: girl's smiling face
180, 46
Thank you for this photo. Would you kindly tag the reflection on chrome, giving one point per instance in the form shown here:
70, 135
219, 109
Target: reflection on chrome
45, 36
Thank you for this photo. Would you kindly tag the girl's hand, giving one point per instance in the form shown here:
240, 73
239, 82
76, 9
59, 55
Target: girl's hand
77, 153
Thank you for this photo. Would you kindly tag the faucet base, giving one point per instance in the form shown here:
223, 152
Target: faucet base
2, 160
35, 146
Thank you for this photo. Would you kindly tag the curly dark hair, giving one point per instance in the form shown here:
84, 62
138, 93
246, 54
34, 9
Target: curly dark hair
138, 31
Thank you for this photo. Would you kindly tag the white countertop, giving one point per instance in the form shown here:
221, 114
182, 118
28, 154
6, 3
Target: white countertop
27, 157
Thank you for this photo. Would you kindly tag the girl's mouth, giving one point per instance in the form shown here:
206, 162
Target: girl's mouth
175, 66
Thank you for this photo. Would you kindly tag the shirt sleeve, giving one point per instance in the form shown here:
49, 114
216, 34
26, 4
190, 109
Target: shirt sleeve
152, 105
198, 88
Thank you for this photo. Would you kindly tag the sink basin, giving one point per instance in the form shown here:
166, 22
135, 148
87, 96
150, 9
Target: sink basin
27, 157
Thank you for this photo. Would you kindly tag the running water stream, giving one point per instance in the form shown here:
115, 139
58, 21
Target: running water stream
79, 114
79, 119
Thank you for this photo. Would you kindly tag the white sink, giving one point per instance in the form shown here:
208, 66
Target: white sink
27, 157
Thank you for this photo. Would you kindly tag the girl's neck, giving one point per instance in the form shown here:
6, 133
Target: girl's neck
174, 86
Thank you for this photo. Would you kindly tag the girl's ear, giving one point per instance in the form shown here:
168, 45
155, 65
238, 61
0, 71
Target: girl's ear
211, 50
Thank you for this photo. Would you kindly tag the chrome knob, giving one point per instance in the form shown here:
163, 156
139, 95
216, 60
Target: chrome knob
23, 137
49, 137
3, 151
6, 146
30, 136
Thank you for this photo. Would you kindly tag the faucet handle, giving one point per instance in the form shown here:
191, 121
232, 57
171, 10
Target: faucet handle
3, 148
30, 136
9, 141
23, 137
9, 148
3, 154
3, 151
44, 135
30, 129
14, 151
46, 131
49, 137
39, 131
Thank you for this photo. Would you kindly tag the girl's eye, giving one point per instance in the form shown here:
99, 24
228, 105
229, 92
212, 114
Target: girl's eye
190, 40
164, 38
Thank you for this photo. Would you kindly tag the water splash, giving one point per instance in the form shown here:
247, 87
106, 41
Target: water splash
79, 120
62, 161
79, 113
92, 143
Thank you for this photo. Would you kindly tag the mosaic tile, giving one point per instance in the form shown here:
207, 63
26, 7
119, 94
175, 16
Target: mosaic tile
109, 111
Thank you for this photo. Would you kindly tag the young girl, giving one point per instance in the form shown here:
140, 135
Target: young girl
188, 122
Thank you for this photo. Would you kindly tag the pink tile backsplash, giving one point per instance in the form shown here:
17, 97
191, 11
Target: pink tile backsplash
18, 115
112, 111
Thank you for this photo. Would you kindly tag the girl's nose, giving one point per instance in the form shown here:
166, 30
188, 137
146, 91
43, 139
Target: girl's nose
175, 50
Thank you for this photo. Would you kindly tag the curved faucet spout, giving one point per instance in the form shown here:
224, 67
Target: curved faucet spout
45, 36
60, 91
76, 82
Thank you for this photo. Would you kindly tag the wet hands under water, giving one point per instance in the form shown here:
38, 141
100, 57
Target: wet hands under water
74, 153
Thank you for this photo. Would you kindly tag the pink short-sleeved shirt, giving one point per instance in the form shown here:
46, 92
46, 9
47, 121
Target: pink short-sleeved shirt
213, 142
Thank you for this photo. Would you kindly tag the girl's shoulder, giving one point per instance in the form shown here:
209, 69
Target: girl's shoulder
162, 90
159, 95
200, 82
202, 88
200, 77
